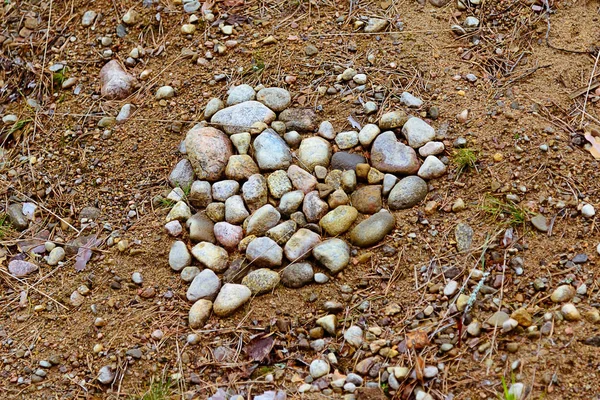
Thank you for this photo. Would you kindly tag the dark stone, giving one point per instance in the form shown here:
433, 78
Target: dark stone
345, 161
580, 258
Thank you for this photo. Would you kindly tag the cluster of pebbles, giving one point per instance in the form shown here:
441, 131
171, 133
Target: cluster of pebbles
263, 184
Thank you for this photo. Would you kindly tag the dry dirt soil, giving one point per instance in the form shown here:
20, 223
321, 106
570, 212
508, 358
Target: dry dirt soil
527, 60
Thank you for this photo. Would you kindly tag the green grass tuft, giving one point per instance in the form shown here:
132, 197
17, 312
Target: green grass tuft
506, 395
465, 159
512, 213
160, 389
4, 225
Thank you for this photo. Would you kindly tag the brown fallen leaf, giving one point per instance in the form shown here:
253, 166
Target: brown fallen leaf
417, 340
259, 347
419, 368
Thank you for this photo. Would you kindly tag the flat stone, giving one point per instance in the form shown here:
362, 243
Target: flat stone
410, 100
333, 254
300, 245
314, 151
339, 220
211, 256
297, 275
497, 319
189, 273
282, 232
432, 149
208, 150
240, 117
299, 119
346, 161
205, 285
388, 154
373, 229
376, 25
21, 268
15, 215
464, 237
261, 281
106, 375
407, 193
231, 297
346, 140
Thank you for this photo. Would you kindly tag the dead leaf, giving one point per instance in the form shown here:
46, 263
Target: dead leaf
84, 253
419, 368
233, 3
354, 123
260, 347
595, 148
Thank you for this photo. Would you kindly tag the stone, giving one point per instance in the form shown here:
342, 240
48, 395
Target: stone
338, 198
261, 281
88, 18
106, 375
21, 268
376, 25
199, 313
240, 167
418, 132
211, 256
239, 94
164, 92
241, 117
407, 193
464, 237
410, 101
431, 149
326, 130
540, 223
262, 220
264, 252
373, 229
205, 285
179, 256
189, 273
130, 17
292, 138
297, 275
228, 235
339, 220
231, 297
116, 83
241, 141
200, 194
299, 119
255, 192
450, 288
300, 245
367, 134
348, 181
208, 150
497, 319
392, 120
201, 228
56, 255
182, 175
282, 232
290, 202
328, 323
277, 99
570, 312
180, 212
432, 168
212, 107
389, 181
223, 190
301, 179
279, 183
522, 316
174, 228
271, 151
314, 151
354, 336
322, 278
319, 368
320, 172
17, 219
333, 254
390, 155
563, 293
313, 207
346, 140
367, 199
588, 211
344, 161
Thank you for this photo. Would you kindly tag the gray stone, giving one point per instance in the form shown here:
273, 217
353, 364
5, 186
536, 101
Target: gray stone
201, 228
21, 268
389, 181
348, 181
208, 150
290, 202
563, 293
376, 25
261, 281
15, 215
277, 99
297, 275
88, 18
299, 119
367, 134
292, 138
354, 336
300, 245
255, 192
212, 107
179, 256
164, 92
388, 154
56, 255
326, 130
200, 194
223, 190
319, 368
432, 168
410, 101
346, 140
279, 183
432, 149
199, 313
231, 297
407, 193
314, 151
205, 285
106, 375
180, 212
282, 232
239, 94
373, 229
240, 117
262, 220
333, 254
418, 132
271, 151
540, 223
264, 252
301, 179
498, 318
464, 237
211, 256
313, 207
189, 273
321, 278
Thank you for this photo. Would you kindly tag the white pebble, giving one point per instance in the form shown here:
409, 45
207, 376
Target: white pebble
588, 211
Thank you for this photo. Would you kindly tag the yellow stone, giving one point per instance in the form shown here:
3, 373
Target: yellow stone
498, 157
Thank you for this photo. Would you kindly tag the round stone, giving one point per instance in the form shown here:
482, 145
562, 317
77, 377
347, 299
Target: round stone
390, 155
205, 285
277, 99
407, 193
179, 256
372, 230
208, 150
231, 297
314, 151
261, 280
297, 275
333, 254
339, 220
264, 252
239, 94
199, 313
